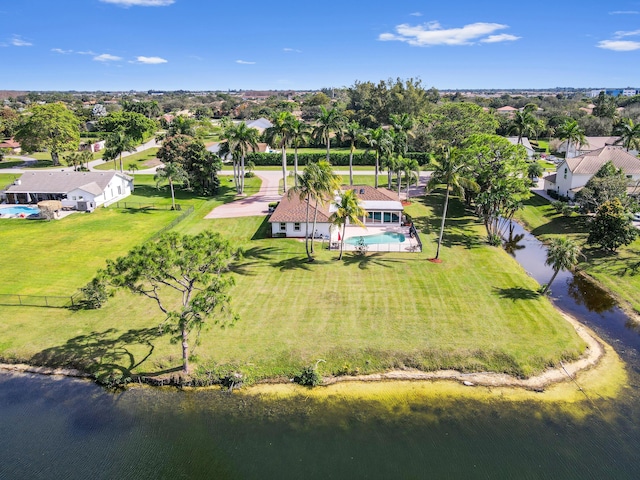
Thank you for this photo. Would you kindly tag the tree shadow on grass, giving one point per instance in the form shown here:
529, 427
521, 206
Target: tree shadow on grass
294, 263
252, 257
561, 225
364, 261
102, 353
517, 293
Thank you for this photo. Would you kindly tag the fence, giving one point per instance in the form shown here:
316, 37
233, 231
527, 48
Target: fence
175, 222
48, 301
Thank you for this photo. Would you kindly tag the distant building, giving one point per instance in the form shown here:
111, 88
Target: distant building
615, 92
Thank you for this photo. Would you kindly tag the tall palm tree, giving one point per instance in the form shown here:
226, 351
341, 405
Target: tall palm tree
411, 169
572, 133
305, 190
280, 134
170, 172
353, 133
117, 143
524, 124
300, 134
402, 124
325, 184
393, 165
629, 134
349, 211
562, 254
328, 121
381, 142
450, 170
240, 139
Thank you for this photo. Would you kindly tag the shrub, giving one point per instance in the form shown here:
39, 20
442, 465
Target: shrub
95, 294
567, 211
558, 205
309, 377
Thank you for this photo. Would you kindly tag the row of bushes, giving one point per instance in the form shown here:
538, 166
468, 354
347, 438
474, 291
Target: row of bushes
337, 159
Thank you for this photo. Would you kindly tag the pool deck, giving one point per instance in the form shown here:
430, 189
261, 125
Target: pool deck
409, 245
61, 214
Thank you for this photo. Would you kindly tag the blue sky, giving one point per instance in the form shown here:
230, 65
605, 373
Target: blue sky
215, 45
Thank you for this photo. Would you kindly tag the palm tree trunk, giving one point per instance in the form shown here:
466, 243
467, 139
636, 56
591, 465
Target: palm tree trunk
389, 178
295, 165
121, 167
306, 233
399, 180
173, 197
344, 228
444, 217
185, 350
235, 174
351, 164
284, 168
242, 174
553, 277
315, 219
328, 144
377, 162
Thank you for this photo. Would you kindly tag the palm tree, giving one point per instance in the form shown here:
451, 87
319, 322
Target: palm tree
325, 184
381, 142
348, 211
353, 133
629, 134
450, 170
280, 134
392, 164
240, 139
524, 124
117, 143
411, 169
300, 134
305, 190
402, 124
327, 122
572, 133
562, 254
170, 172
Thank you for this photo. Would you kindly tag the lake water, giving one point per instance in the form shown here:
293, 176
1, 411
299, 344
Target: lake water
72, 429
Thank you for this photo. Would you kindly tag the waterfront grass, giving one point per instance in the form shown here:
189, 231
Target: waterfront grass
618, 272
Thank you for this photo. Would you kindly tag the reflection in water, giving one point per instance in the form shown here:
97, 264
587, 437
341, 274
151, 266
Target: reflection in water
512, 244
590, 295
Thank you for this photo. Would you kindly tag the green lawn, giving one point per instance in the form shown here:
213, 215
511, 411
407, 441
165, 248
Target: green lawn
142, 160
476, 311
619, 272
271, 168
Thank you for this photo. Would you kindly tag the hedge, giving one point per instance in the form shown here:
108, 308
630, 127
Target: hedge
337, 159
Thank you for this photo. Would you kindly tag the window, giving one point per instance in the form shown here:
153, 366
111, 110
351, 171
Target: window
119, 190
565, 173
283, 227
296, 227
73, 198
395, 218
387, 217
81, 197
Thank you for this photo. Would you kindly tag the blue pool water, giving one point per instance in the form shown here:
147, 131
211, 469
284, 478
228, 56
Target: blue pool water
386, 237
18, 210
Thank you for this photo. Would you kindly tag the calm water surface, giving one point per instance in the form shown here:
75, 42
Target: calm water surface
71, 429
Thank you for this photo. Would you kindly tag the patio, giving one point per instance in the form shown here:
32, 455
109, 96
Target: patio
411, 241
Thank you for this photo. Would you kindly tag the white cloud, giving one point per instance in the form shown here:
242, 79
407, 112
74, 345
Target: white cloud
503, 37
416, 14
16, 41
61, 51
619, 45
151, 60
244, 62
140, 3
432, 33
624, 12
294, 50
88, 52
621, 34
105, 57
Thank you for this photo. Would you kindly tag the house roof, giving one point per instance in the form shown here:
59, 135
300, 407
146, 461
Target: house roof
506, 109
590, 162
11, 143
63, 182
260, 124
550, 178
594, 143
294, 210
525, 142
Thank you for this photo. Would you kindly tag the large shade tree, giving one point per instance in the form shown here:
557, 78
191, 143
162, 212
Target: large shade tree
611, 227
50, 127
185, 276
348, 211
135, 125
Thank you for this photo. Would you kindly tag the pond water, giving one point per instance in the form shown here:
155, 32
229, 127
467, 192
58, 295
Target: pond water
68, 429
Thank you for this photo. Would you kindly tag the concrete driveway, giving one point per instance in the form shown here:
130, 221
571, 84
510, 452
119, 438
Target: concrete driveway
254, 205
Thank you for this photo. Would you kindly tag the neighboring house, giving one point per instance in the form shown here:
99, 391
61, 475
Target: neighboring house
260, 124
591, 144
11, 145
574, 173
92, 147
383, 208
524, 141
78, 190
510, 111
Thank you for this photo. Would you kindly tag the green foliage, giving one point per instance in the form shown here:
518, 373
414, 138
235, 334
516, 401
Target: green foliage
454, 123
49, 127
567, 211
134, 125
611, 227
558, 205
309, 377
94, 294
607, 184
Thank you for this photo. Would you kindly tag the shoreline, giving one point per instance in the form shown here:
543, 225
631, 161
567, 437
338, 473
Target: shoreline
594, 353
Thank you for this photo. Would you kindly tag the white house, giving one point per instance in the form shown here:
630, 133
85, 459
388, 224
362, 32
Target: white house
574, 173
383, 208
524, 141
591, 144
77, 190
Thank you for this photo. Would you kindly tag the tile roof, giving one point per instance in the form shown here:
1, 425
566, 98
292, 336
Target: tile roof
62, 182
11, 143
590, 162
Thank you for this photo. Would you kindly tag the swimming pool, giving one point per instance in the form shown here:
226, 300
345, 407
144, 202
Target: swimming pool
19, 210
386, 237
